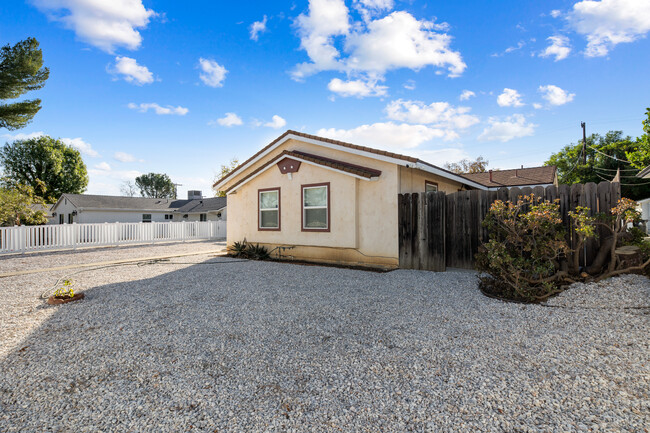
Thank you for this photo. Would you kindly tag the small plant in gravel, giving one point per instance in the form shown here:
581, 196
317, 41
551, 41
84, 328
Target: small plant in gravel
249, 251
64, 291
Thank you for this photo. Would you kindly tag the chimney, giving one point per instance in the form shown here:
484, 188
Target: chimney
516, 172
490, 175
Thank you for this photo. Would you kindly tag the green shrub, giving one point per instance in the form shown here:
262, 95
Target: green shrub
249, 251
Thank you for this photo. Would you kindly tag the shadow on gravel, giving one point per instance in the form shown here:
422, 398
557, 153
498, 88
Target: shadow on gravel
256, 346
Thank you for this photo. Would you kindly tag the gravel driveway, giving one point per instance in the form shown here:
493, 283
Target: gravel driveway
215, 344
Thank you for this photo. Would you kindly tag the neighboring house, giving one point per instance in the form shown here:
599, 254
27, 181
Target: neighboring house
326, 200
644, 207
645, 173
87, 208
519, 177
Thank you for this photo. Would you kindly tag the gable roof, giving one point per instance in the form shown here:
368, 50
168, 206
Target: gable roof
515, 177
383, 155
203, 205
90, 201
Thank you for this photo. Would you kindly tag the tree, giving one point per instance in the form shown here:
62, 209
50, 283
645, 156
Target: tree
604, 156
156, 185
21, 205
465, 166
128, 189
640, 155
21, 71
225, 169
43, 159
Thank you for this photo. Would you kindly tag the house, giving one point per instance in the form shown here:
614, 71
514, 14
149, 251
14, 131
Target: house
324, 200
519, 177
87, 208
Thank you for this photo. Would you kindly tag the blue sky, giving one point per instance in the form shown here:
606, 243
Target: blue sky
183, 87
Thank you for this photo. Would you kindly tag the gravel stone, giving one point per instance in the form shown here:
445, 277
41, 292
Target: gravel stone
201, 343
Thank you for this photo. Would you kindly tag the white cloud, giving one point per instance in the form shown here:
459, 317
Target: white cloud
555, 95
77, 143
104, 24
277, 122
509, 98
131, 71
608, 23
556, 13
230, 119
510, 49
358, 88
371, 8
537, 106
409, 85
371, 46
258, 27
388, 136
439, 114
559, 47
213, 73
511, 127
125, 157
169, 109
466, 94
81, 146
23, 136
103, 166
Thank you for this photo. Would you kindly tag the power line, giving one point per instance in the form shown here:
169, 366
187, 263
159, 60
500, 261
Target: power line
610, 156
616, 169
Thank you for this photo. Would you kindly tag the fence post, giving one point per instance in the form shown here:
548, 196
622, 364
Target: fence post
183, 230
23, 239
74, 235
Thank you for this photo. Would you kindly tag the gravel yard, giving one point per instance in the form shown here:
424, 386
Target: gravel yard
206, 343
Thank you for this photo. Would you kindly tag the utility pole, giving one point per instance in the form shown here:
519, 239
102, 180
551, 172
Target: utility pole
584, 143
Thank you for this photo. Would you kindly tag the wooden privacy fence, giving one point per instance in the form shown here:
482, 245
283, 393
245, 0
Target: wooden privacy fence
21, 239
438, 230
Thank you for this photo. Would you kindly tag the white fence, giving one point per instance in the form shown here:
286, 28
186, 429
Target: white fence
20, 239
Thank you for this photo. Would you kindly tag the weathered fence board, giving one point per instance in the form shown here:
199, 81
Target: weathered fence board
438, 231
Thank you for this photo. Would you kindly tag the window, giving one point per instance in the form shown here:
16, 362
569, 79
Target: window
169, 217
70, 218
203, 217
315, 207
61, 218
146, 217
269, 209
430, 186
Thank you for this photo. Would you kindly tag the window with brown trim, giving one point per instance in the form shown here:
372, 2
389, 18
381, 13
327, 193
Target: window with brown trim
268, 203
316, 207
430, 186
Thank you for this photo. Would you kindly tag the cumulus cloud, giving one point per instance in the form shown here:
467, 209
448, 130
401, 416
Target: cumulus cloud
555, 95
607, 23
371, 47
125, 157
258, 27
81, 146
556, 13
559, 47
230, 119
213, 74
387, 135
78, 143
358, 88
103, 166
509, 98
466, 94
158, 109
277, 122
515, 126
103, 24
131, 72
439, 114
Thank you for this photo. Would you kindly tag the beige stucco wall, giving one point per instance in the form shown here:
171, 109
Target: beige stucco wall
363, 214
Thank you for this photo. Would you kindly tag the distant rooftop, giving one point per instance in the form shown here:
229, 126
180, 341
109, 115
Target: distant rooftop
515, 177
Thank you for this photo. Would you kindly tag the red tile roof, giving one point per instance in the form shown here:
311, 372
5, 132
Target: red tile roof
515, 177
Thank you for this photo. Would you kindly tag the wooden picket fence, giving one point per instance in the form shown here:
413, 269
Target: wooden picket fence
21, 239
438, 230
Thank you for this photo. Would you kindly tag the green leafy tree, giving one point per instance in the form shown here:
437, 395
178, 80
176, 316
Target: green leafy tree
20, 205
466, 166
156, 185
225, 169
604, 155
44, 159
21, 71
640, 155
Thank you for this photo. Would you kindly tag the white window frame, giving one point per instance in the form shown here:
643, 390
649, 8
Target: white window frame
326, 207
274, 209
